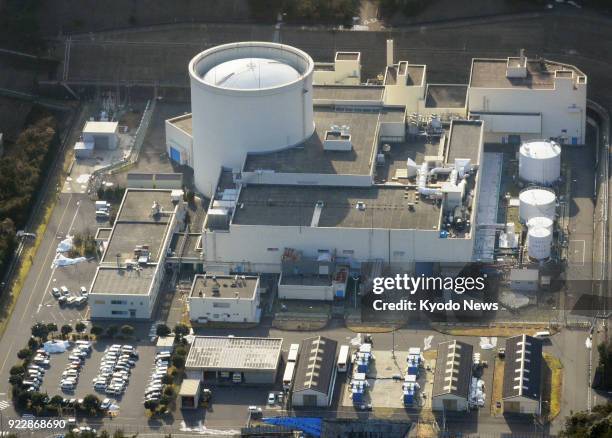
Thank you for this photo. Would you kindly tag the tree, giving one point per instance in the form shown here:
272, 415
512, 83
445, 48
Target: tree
16, 379
151, 405
17, 370
167, 379
178, 361
169, 390
24, 353
127, 330
33, 344
80, 327
181, 330
91, 403
51, 327
56, 400
111, 331
40, 330
66, 330
96, 330
162, 330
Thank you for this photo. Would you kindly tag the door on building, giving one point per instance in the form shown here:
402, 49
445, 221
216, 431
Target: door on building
514, 139
310, 400
574, 140
175, 155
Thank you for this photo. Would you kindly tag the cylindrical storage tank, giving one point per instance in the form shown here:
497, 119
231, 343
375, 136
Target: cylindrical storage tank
539, 242
248, 97
537, 202
540, 222
540, 162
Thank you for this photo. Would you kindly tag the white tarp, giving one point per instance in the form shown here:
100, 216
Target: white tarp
61, 260
65, 245
427, 342
55, 346
488, 343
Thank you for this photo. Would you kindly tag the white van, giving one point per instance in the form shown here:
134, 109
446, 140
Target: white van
294, 350
542, 335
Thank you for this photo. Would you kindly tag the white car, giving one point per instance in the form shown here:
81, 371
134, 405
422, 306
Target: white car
271, 398
64, 290
83, 291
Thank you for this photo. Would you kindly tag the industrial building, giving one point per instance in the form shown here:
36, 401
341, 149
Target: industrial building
189, 394
224, 298
315, 376
228, 359
452, 377
127, 280
303, 156
522, 389
100, 135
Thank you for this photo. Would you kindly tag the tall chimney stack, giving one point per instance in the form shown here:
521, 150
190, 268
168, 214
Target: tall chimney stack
390, 53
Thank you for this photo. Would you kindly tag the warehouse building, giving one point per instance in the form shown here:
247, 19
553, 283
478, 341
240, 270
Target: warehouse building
452, 377
224, 298
228, 359
522, 390
128, 278
103, 135
315, 376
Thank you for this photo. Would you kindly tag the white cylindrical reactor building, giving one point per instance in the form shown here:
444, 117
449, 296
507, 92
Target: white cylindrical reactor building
539, 242
537, 202
248, 97
540, 162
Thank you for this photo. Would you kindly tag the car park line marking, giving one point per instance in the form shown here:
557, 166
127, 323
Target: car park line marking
26, 312
576, 250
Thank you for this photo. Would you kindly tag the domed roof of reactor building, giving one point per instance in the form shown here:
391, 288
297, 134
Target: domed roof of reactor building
251, 74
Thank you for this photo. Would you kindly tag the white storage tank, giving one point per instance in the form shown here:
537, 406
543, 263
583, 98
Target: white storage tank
539, 242
540, 222
540, 162
247, 97
537, 202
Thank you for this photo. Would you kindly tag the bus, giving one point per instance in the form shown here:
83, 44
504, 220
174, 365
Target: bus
293, 352
288, 376
344, 359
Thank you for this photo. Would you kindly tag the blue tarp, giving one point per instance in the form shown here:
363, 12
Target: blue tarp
309, 425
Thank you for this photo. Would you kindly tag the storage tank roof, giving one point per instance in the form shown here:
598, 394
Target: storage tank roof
251, 74
537, 196
540, 149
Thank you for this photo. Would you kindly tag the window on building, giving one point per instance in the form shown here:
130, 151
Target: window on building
272, 249
99, 302
398, 253
119, 312
221, 305
348, 252
118, 302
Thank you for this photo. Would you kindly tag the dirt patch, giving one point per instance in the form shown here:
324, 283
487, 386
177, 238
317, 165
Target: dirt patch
293, 325
498, 386
551, 388
505, 331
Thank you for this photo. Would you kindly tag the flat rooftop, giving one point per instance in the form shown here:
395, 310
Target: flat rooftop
221, 353
223, 286
112, 280
414, 74
184, 122
385, 207
137, 206
446, 96
464, 141
100, 127
491, 73
348, 92
309, 157
126, 236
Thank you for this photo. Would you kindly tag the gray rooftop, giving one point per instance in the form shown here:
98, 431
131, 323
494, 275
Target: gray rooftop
453, 371
348, 92
220, 353
465, 140
386, 207
137, 203
531, 364
446, 96
227, 286
491, 73
310, 156
306, 279
316, 365
184, 122
414, 73
111, 280
126, 236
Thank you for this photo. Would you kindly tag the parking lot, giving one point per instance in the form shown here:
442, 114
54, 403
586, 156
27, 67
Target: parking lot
130, 402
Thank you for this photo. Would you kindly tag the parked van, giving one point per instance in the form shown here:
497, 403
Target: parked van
542, 334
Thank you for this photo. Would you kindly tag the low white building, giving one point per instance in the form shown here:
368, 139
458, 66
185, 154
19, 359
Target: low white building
128, 278
103, 135
224, 298
345, 70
